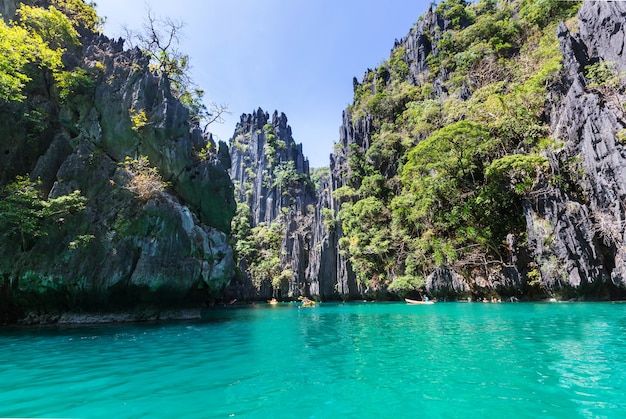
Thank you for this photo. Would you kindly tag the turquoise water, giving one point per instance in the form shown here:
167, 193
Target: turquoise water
335, 360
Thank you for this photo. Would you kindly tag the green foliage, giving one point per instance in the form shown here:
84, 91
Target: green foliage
603, 76
138, 119
519, 170
37, 42
445, 192
328, 218
81, 241
260, 247
474, 50
542, 12
269, 151
269, 128
73, 83
81, 14
21, 209
367, 240
55, 28
25, 215
499, 31
286, 175
241, 231
600, 72
455, 152
344, 193
18, 49
373, 185
205, 153
455, 11
405, 284
398, 64
241, 143
320, 176
193, 99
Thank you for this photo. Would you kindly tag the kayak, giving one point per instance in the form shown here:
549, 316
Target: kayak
409, 301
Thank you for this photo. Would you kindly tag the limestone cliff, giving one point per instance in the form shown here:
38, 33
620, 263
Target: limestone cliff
148, 236
355, 139
572, 242
275, 194
576, 230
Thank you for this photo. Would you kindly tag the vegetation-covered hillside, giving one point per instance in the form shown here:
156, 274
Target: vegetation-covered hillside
485, 158
111, 194
453, 139
276, 197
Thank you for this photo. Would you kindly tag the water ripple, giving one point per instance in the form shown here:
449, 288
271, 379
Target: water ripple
352, 360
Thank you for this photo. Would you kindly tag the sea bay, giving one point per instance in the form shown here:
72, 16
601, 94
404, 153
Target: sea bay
333, 360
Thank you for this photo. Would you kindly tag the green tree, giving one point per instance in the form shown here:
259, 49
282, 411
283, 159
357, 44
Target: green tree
367, 239
51, 25
19, 49
286, 175
24, 214
80, 13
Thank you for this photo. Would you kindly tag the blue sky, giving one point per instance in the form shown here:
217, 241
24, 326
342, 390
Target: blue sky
294, 56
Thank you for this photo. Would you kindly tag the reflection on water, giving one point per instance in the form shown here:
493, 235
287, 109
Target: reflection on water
370, 359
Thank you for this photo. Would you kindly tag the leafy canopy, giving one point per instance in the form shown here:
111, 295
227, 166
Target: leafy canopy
24, 214
20, 48
441, 178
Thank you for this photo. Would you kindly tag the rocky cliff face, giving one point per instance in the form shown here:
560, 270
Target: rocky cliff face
574, 225
157, 246
272, 181
140, 241
576, 230
355, 139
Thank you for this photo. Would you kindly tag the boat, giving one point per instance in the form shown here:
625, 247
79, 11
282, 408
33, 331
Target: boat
273, 301
409, 301
306, 302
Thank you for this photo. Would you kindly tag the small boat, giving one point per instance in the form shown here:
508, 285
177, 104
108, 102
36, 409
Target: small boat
273, 301
306, 302
409, 301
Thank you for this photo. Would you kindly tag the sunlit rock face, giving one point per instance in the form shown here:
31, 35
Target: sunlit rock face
271, 177
575, 228
167, 247
577, 232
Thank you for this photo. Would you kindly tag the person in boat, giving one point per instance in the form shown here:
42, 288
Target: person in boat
306, 301
425, 298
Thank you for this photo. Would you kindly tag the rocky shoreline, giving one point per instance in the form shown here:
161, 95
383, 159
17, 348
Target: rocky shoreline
135, 316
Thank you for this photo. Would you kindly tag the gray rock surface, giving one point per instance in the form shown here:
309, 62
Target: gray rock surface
121, 251
444, 283
576, 229
260, 148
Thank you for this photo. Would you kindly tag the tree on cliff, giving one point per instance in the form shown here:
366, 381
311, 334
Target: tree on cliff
159, 39
25, 215
441, 174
